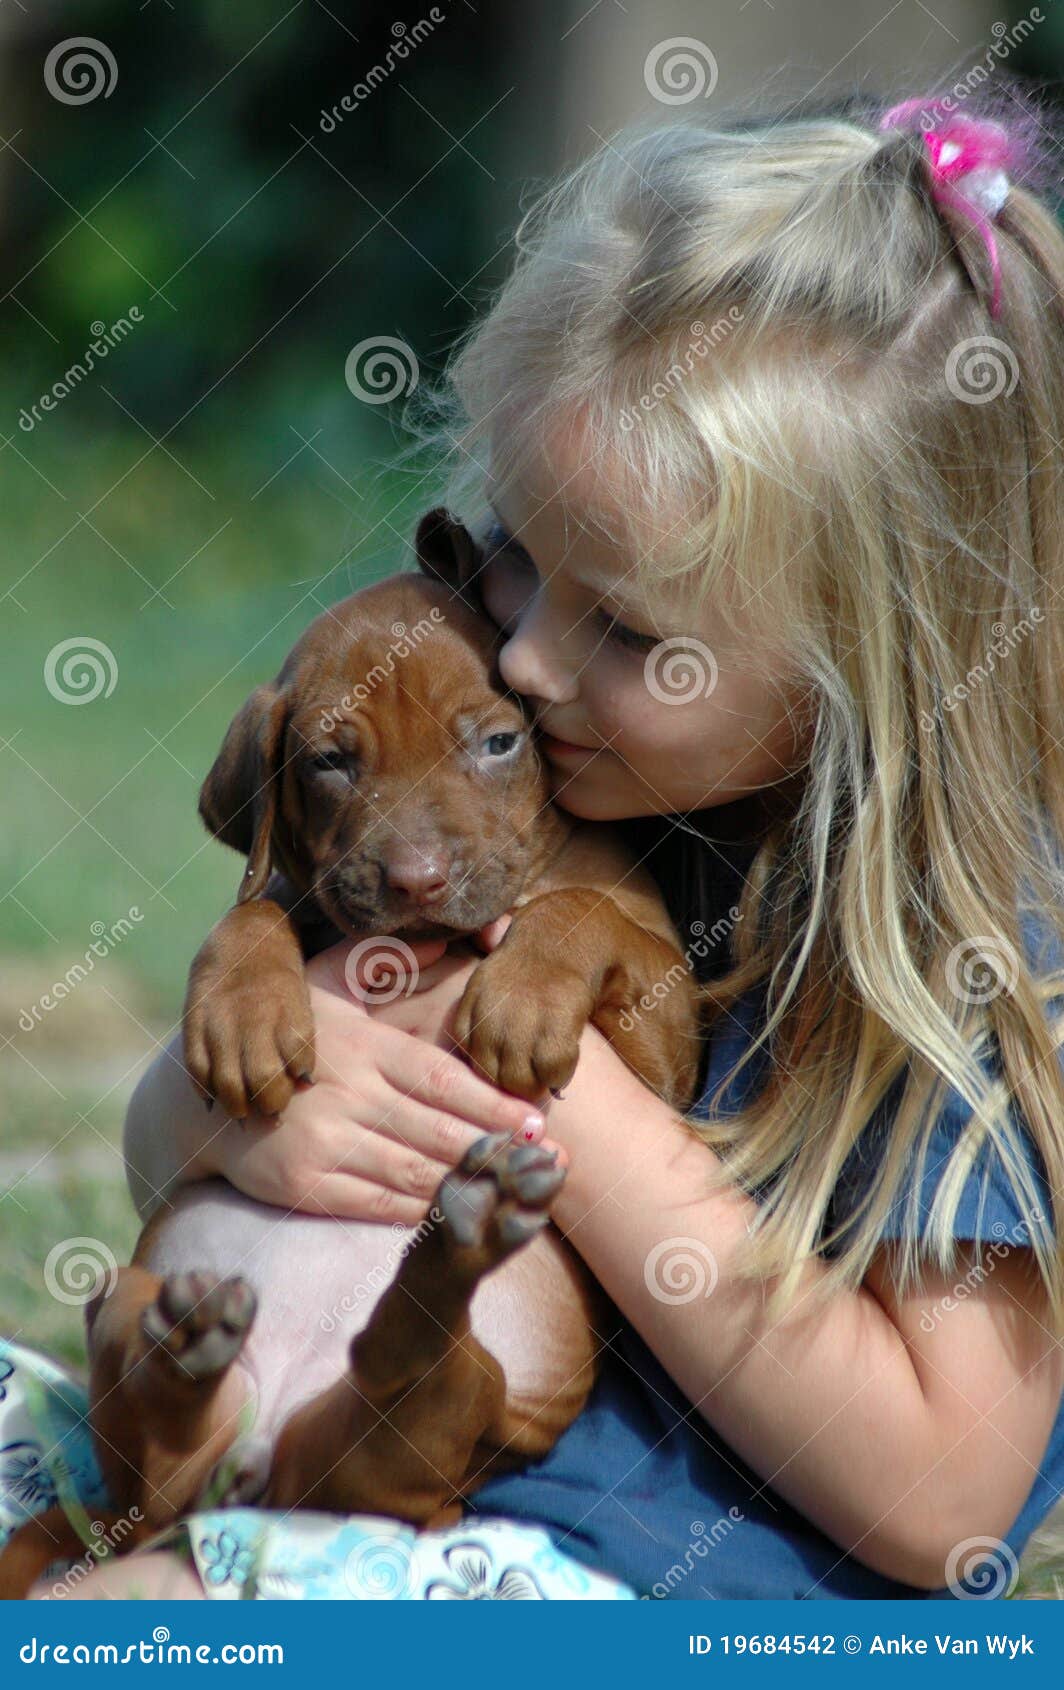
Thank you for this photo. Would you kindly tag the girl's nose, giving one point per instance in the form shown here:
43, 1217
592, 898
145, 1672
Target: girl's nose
539, 660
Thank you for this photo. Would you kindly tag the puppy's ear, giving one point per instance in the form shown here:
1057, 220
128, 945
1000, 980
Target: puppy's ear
447, 551
238, 800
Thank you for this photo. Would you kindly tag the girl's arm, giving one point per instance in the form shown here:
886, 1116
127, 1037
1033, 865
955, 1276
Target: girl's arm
387, 1117
168, 1139
867, 1422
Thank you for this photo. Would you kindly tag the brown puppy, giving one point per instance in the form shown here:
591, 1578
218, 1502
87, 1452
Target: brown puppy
390, 781
393, 780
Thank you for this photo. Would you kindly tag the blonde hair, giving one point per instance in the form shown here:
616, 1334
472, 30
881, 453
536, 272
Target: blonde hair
863, 473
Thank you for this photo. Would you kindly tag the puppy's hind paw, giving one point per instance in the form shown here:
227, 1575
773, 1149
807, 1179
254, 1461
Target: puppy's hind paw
499, 1196
198, 1324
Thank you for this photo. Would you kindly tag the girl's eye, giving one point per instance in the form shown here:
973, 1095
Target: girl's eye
499, 543
501, 744
622, 635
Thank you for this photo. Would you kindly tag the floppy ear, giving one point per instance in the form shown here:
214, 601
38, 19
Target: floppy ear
238, 800
447, 551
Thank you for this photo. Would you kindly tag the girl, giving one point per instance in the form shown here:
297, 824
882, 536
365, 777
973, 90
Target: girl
764, 434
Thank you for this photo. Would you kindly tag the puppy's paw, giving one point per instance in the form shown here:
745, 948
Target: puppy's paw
198, 1324
247, 1043
523, 1034
498, 1197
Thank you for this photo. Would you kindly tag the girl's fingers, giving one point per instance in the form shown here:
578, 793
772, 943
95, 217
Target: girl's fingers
392, 1158
404, 1163
489, 936
433, 972
425, 1132
349, 1197
444, 1083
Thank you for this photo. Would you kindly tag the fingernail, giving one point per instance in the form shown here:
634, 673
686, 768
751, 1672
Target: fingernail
533, 1129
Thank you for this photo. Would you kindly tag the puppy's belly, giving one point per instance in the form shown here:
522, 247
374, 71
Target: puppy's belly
318, 1280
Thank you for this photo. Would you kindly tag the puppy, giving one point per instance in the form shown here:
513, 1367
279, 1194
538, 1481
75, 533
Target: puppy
385, 784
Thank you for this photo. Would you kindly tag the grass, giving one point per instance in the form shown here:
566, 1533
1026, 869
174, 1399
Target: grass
196, 577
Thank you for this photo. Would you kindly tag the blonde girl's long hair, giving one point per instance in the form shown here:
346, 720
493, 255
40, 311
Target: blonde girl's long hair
773, 326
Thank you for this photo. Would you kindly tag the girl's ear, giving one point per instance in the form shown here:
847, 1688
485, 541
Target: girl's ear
238, 800
447, 551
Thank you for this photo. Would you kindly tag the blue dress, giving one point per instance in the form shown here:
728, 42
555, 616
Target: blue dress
640, 1485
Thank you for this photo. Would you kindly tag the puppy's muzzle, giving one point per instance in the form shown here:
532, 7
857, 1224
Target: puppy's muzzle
421, 876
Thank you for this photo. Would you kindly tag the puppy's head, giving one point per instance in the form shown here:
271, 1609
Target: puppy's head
388, 771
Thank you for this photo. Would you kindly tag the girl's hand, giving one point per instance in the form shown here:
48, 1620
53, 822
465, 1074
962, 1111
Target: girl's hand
389, 1114
425, 1007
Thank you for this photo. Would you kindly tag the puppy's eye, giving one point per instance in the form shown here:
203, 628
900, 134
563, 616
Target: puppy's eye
502, 744
333, 762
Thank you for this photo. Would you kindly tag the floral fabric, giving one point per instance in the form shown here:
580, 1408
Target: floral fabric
47, 1458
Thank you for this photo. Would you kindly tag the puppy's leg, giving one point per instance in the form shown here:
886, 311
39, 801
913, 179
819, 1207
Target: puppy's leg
398, 1434
164, 1408
37, 1543
165, 1404
569, 957
247, 1024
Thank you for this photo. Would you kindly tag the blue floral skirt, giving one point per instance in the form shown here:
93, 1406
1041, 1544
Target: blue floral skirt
47, 1458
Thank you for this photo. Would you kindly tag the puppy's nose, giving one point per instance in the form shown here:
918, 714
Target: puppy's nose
421, 875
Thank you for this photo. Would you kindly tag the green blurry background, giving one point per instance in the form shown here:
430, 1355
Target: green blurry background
194, 500
214, 482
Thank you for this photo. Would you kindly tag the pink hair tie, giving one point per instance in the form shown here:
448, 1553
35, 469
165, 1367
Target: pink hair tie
969, 159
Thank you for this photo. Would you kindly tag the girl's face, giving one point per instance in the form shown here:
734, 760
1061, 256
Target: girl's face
648, 711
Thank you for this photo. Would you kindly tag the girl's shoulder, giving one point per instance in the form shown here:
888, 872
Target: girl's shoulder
1005, 1191
1006, 1196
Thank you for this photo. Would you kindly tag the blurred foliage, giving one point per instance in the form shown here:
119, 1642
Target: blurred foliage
203, 190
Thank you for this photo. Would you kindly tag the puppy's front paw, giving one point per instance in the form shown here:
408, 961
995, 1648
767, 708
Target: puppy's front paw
248, 1041
523, 1034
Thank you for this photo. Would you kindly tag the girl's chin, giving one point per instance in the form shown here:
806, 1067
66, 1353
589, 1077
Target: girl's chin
580, 797
569, 794
589, 800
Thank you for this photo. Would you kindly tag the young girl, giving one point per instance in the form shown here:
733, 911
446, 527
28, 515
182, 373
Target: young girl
763, 435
